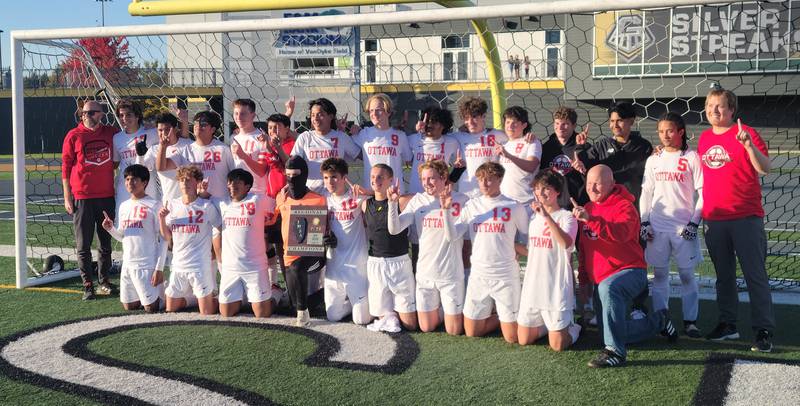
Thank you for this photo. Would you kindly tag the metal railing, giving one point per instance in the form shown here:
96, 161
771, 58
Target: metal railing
434, 72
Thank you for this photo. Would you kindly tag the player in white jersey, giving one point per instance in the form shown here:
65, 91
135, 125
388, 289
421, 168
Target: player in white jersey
248, 147
477, 143
188, 223
209, 154
167, 128
492, 221
323, 141
143, 251
346, 288
670, 217
382, 144
243, 268
520, 156
440, 271
126, 152
431, 143
548, 291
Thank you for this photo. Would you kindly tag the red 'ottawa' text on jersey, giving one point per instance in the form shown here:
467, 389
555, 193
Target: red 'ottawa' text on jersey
428, 149
315, 148
138, 223
388, 147
214, 159
439, 259
191, 225
548, 273
346, 221
475, 150
492, 223
671, 178
257, 151
243, 246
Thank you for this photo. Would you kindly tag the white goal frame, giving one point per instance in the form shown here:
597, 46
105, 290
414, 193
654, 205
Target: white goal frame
401, 17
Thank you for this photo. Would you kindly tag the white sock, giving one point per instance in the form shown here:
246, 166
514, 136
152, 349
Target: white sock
574, 332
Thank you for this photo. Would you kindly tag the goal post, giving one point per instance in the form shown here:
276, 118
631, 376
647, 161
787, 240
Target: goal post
580, 53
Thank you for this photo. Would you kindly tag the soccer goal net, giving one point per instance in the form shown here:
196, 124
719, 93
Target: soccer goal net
538, 55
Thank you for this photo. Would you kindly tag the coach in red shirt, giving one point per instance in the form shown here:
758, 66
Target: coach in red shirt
87, 175
612, 259
733, 158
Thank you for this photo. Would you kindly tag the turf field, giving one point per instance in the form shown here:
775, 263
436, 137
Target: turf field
262, 363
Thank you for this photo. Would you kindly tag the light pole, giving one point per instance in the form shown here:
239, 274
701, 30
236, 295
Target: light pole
2, 75
102, 11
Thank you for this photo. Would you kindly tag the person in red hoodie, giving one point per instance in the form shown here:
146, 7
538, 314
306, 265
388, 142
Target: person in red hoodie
87, 176
612, 259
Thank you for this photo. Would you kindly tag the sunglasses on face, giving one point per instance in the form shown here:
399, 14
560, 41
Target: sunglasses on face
202, 124
91, 112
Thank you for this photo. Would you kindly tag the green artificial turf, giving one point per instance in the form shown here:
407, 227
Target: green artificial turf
448, 370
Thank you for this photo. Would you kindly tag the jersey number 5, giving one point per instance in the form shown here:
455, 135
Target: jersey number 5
683, 164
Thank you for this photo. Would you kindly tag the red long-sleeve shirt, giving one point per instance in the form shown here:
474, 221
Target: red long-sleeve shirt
609, 241
87, 163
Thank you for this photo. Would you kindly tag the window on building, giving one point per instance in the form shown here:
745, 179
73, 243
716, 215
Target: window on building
552, 37
455, 41
552, 62
370, 45
372, 67
313, 66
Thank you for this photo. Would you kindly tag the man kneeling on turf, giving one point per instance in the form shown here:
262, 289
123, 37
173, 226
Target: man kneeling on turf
244, 251
440, 271
611, 257
142, 279
493, 221
188, 223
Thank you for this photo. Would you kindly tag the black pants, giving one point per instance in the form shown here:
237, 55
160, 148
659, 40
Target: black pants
87, 219
297, 279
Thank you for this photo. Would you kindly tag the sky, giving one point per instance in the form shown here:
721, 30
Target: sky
44, 14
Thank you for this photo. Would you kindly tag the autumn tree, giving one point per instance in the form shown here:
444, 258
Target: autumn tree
109, 55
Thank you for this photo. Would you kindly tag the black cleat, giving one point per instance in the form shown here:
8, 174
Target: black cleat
88, 293
669, 330
723, 331
763, 342
607, 359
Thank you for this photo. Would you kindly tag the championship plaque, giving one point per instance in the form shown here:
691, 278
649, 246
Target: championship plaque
307, 226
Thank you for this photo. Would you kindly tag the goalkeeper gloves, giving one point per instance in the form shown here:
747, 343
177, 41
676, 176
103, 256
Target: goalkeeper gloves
690, 231
646, 231
141, 146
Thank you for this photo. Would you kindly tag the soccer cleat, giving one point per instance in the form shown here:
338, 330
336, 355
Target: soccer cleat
691, 330
723, 331
88, 293
763, 342
376, 325
106, 288
391, 324
607, 359
669, 330
303, 319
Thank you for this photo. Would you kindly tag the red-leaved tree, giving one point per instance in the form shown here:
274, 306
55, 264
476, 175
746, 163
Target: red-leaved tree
110, 56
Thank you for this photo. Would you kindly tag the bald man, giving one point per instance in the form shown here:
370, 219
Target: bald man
612, 259
87, 177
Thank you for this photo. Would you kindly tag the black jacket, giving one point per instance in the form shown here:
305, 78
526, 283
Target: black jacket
625, 160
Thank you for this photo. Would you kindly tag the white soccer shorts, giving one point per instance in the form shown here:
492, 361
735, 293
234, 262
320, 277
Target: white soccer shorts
234, 285
482, 293
185, 284
553, 320
447, 294
686, 253
343, 298
391, 285
134, 286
